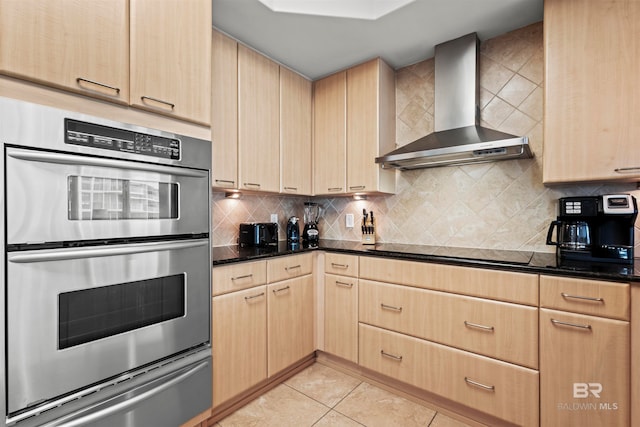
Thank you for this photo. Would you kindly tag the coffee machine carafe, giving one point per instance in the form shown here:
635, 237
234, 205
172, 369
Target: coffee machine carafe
310, 234
595, 228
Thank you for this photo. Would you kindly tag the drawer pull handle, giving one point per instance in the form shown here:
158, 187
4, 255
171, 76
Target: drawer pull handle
573, 325
246, 276
292, 268
334, 189
630, 169
225, 181
357, 187
251, 184
159, 101
291, 188
261, 294
345, 284
390, 307
275, 291
592, 299
334, 265
479, 385
477, 326
93, 82
390, 356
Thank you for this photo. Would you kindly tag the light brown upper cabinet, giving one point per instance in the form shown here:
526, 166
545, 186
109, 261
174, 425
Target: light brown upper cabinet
258, 121
171, 58
81, 45
330, 134
354, 122
295, 133
224, 111
592, 91
151, 54
371, 126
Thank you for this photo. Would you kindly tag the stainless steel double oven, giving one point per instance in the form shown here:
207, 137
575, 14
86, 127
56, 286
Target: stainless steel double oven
105, 273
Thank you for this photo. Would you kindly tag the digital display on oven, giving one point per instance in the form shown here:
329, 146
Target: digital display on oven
126, 141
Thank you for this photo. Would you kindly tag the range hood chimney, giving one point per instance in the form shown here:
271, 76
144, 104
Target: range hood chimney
458, 139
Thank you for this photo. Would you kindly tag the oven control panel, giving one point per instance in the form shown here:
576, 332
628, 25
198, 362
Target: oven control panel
123, 140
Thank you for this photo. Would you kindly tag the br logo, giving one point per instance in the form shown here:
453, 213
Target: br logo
584, 390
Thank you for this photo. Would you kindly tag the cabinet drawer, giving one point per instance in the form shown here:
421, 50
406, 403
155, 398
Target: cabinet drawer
288, 267
521, 288
505, 331
344, 265
594, 297
506, 391
234, 277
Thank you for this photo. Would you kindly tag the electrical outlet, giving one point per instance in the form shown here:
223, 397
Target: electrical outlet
349, 220
274, 218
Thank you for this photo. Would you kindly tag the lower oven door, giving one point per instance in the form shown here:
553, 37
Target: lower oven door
77, 317
166, 396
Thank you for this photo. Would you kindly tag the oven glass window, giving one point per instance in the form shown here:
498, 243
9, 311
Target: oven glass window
93, 198
96, 313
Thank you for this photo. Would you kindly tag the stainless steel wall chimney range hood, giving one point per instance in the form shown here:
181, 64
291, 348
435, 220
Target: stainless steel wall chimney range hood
458, 138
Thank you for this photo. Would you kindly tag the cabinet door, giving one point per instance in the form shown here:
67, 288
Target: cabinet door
239, 341
295, 133
341, 316
584, 370
290, 322
258, 121
592, 90
224, 111
370, 126
78, 45
330, 143
171, 57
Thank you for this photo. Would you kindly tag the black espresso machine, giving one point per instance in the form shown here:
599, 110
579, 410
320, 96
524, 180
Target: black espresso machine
595, 228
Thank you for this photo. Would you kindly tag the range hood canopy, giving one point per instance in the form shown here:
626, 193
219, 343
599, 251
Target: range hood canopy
458, 138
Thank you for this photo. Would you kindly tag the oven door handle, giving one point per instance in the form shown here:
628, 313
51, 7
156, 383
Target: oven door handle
127, 403
80, 253
77, 160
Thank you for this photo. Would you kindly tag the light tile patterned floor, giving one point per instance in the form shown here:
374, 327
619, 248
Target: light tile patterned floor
320, 396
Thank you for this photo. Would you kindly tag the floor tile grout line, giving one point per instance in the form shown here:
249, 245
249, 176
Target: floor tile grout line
307, 396
330, 407
323, 415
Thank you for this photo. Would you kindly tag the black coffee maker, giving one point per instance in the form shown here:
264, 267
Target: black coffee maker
595, 228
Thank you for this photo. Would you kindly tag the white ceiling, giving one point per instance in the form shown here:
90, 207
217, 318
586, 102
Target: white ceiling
316, 46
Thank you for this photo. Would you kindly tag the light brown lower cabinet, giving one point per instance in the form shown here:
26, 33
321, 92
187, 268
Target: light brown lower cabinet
239, 340
290, 319
341, 316
584, 370
478, 351
504, 390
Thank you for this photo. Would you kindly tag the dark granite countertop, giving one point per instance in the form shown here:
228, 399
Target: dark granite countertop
523, 261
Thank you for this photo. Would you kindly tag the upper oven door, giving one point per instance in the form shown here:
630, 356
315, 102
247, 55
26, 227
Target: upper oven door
77, 316
54, 197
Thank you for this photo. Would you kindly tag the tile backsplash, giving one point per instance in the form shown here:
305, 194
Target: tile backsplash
500, 205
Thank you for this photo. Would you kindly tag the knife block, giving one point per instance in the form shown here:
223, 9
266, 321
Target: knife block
369, 235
